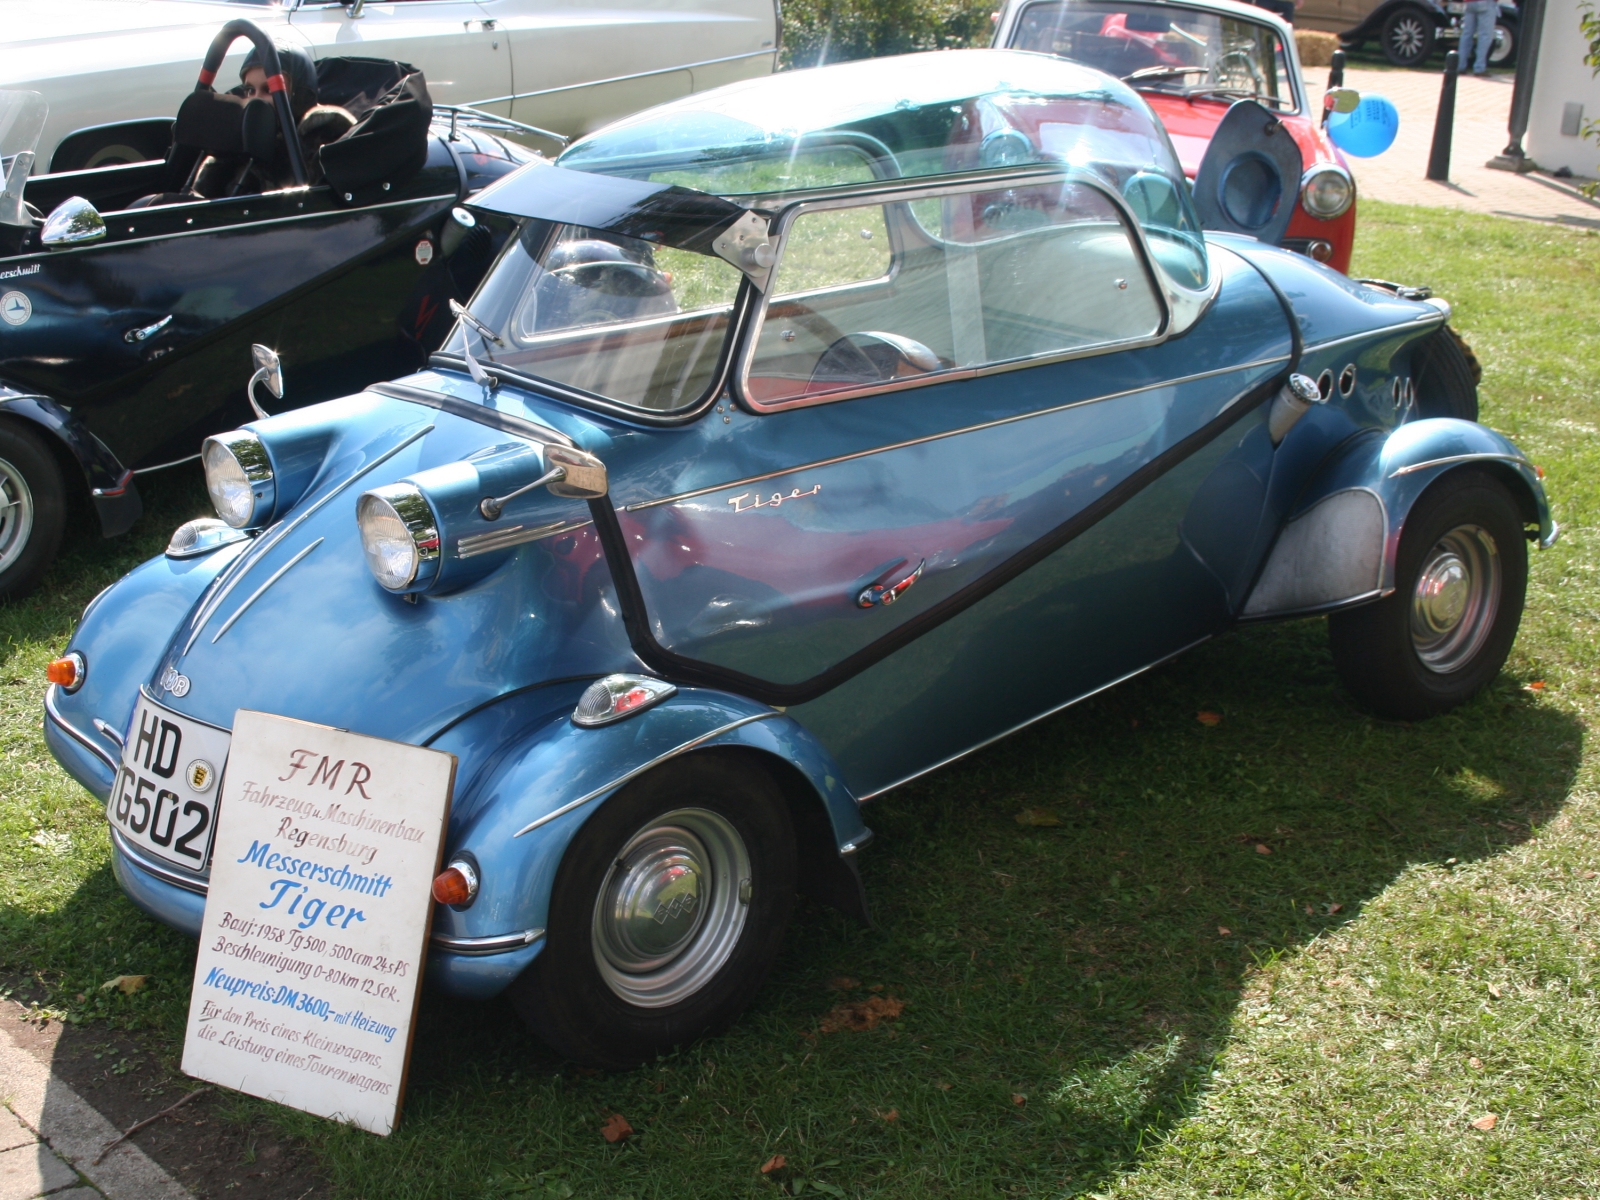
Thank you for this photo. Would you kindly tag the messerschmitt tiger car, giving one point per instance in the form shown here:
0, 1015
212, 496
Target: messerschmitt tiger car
131, 294
787, 453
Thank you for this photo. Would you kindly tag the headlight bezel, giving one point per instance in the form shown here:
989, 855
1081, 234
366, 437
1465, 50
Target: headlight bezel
1317, 173
407, 505
246, 454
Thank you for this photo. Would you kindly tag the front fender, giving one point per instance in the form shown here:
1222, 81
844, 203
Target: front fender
542, 777
1338, 547
109, 483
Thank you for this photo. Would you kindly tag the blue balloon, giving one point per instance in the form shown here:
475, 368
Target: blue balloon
1367, 130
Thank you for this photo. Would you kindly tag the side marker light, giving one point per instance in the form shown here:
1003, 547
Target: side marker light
67, 672
457, 885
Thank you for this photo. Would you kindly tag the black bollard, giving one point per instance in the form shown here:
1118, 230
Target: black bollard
1336, 70
1444, 123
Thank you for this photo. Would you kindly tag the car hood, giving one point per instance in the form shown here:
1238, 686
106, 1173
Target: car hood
298, 626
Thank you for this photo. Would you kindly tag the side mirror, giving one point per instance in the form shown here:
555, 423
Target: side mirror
1341, 100
71, 222
269, 370
584, 475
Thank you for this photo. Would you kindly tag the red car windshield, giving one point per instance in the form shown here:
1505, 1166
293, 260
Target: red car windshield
1161, 47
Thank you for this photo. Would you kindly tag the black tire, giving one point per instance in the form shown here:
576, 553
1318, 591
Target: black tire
576, 997
1383, 650
1446, 374
35, 515
1408, 36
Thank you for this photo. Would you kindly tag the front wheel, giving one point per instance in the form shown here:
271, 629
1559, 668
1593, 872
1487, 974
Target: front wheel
1408, 36
667, 913
1446, 629
1446, 373
33, 510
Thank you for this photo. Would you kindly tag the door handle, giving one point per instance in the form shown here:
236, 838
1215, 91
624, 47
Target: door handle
887, 593
143, 333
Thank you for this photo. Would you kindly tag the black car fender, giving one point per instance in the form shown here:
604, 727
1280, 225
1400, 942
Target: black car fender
108, 483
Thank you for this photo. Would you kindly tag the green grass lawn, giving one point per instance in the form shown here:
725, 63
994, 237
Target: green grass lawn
1295, 953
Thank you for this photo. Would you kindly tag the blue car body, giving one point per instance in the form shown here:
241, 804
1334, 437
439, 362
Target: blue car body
1066, 524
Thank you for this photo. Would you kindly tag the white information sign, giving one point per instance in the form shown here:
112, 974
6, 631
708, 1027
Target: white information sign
316, 923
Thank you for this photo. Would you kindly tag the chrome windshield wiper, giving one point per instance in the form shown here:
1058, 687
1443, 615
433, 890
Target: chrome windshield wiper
462, 313
474, 368
1144, 73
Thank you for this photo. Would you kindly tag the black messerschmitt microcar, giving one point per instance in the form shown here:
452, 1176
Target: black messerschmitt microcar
136, 299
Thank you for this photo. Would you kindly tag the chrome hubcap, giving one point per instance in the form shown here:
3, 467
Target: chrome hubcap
1408, 37
1456, 598
671, 908
16, 514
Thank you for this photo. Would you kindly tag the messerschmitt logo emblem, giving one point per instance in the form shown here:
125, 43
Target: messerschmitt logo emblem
175, 683
199, 775
15, 308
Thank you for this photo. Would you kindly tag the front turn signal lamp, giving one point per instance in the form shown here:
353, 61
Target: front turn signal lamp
617, 696
67, 672
457, 884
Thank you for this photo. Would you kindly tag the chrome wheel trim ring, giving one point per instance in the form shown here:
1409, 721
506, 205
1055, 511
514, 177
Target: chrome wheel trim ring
1407, 36
16, 518
669, 911
1455, 599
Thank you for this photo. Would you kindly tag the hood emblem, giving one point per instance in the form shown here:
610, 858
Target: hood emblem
175, 683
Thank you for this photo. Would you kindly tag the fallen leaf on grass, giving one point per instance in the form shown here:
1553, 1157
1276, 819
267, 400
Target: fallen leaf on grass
1263, 848
1536, 686
1018, 1099
1485, 1122
1208, 718
1224, 931
1041, 817
843, 983
126, 984
942, 1086
1310, 912
861, 1015
891, 1116
1333, 908
776, 1163
615, 1128
1590, 874
1494, 990
1475, 1063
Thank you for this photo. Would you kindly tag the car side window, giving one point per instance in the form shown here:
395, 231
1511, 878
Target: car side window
872, 295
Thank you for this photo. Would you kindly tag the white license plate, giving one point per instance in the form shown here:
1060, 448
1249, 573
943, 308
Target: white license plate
164, 800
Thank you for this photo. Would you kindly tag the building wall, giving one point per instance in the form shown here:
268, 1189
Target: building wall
1562, 79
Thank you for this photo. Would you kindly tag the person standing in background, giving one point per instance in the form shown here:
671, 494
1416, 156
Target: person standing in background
1477, 25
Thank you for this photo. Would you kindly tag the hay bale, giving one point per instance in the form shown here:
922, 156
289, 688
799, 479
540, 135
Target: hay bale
1316, 48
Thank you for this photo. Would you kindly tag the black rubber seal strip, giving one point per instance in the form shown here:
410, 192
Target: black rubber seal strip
691, 671
481, 413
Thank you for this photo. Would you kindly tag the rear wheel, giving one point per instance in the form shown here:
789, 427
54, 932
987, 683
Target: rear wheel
1503, 50
33, 510
1407, 36
1446, 373
667, 913
1446, 629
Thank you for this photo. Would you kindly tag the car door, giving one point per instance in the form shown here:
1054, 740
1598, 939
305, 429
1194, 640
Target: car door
948, 389
455, 43
580, 67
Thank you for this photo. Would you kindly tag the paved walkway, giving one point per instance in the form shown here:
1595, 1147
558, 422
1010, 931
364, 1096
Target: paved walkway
49, 1138
1483, 107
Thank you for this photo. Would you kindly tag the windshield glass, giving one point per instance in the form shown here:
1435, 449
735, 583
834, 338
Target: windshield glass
1161, 47
613, 317
22, 117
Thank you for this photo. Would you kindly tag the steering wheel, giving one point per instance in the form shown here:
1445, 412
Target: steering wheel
871, 356
226, 36
611, 290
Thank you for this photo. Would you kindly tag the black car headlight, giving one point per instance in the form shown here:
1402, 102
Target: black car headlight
239, 478
1327, 191
400, 537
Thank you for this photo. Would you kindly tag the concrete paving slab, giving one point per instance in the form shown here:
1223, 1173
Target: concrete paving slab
13, 1133
30, 1171
1483, 108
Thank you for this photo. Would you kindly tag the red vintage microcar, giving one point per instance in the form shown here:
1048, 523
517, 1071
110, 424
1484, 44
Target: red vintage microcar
1194, 62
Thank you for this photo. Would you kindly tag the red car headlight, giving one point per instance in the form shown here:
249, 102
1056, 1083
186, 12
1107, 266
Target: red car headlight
1327, 191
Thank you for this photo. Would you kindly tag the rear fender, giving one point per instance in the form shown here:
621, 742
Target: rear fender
109, 483
1339, 546
541, 777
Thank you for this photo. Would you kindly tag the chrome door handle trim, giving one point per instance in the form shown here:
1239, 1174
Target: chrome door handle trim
888, 593
143, 333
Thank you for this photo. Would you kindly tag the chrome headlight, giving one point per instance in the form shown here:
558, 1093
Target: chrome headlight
400, 536
239, 478
1327, 191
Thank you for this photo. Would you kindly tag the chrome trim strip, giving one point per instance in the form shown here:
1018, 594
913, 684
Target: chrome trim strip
860, 843
167, 237
640, 770
1328, 606
497, 943
256, 595
1031, 720
150, 867
144, 690
73, 733
934, 437
177, 462
1555, 535
252, 556
499, 539
1484, 456
1431, 315
107, 731
572, 87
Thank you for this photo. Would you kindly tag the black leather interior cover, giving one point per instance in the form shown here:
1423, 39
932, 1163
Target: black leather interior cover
1249, 179
388, 144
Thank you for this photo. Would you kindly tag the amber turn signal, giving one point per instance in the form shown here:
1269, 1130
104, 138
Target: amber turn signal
458, 885
66, 672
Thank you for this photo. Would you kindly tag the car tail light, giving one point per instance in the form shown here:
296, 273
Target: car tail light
457, 885
67, 672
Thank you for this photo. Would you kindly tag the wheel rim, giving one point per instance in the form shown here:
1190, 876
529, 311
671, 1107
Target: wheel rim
16, 515
1456, 598
1500, 48
1407, 37
671, 908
